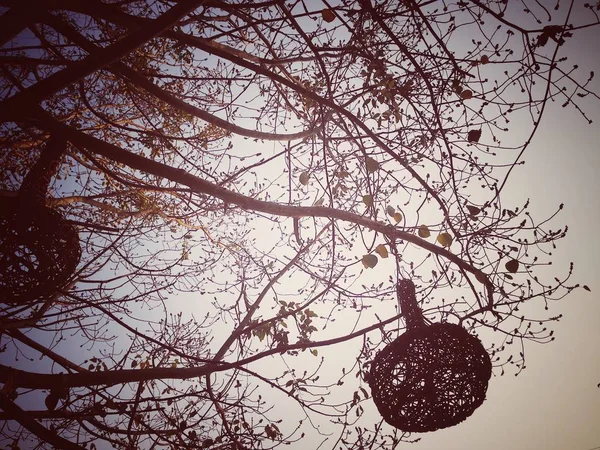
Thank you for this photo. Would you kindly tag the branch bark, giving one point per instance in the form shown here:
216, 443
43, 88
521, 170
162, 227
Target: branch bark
16, 413
19, 104
200, 186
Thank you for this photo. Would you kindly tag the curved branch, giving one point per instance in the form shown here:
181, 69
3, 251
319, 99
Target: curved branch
31, 380
223, 52
16, 413
20, 103
198, 185
141, 81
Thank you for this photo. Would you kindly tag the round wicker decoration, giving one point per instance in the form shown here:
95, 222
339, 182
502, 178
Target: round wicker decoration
39, 251
429, 378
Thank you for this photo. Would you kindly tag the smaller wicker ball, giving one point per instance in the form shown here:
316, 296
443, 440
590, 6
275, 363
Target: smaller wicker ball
39, 251
431, 377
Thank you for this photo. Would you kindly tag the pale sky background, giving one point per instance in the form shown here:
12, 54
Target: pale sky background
555, 403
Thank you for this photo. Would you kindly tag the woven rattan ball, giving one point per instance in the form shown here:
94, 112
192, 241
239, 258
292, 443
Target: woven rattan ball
429, 378
38, 251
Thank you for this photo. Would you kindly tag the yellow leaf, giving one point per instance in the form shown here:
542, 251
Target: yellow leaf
512, 266
457, 87
424, 232
473, 210
445, 239
371, 164
328, 15
381, 251
397, 217
368, 200
474, 135
304, 177
369, 261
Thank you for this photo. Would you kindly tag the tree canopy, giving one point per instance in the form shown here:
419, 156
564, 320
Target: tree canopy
223, 196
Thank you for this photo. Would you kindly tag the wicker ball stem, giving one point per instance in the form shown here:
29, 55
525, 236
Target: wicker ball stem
407, 300
35, 184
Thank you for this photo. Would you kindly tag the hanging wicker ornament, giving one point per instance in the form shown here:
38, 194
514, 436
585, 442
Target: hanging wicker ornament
431, 377
39, 251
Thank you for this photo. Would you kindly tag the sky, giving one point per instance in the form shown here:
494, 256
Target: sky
555, 403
